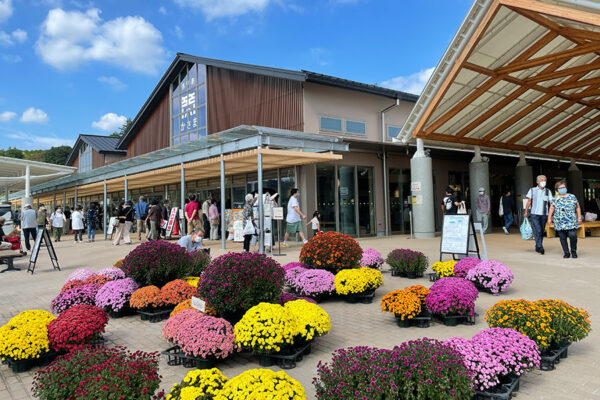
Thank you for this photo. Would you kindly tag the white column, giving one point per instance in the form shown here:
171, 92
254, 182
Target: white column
261, 222
126, 189
421, 176
479, 177
184, 224
104, 213
223, 220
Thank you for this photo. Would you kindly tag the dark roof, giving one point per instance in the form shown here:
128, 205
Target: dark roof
101, 144
181, 59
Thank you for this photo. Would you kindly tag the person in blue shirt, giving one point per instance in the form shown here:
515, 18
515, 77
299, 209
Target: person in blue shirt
141, 213
193, 241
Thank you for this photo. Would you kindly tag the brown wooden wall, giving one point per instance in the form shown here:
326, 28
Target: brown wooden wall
97, 159
155, 133
239, 98
76, 162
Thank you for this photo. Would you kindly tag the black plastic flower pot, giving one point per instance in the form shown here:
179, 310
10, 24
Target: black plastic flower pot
264, 360
402, 323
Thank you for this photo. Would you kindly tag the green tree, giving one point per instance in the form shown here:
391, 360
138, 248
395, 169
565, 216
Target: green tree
57, 155
122, 129
34, 155
12, 152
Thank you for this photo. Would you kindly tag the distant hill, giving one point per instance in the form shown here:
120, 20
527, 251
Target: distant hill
54, 155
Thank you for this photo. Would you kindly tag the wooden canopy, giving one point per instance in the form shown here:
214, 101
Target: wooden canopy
520, 75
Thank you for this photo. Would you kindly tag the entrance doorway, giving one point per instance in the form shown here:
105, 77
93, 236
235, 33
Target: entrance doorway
399, 185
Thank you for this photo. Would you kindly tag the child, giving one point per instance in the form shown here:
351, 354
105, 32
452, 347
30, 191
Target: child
315, 223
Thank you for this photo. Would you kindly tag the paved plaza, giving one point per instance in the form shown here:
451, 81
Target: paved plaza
536, 277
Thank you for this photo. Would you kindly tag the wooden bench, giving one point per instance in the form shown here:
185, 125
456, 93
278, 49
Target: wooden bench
593, 227
8, 259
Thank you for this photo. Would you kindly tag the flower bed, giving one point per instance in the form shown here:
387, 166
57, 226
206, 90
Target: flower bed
491, 275
192, 280
76, 328
464, 265
371, 258
112, 272
203, 384
292, 273
235, 282
332, 251
357, 281
311, 320
513, 351
85, 294
25, 337
176, 291
80, 274
204, 336
451, 297
114, 295
314, 283
146, 298
403, 304
92, 373
266, 328
420, 369
444, 269
96, 280
405, 261
173, 324
187, 304
158, 262
75, 283
568, 324
200, 260
262, 384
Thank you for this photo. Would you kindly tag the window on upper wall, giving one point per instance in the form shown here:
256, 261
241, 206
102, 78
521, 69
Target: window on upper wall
85, 158
393, 131
331, 124
188, 105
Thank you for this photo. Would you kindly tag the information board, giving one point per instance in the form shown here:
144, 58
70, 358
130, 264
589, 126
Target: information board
42, 234
278, 213
172, 218
111, 225
238, 224
455, 234
198, 304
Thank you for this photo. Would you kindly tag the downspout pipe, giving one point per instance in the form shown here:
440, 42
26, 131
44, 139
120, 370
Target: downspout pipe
386, 211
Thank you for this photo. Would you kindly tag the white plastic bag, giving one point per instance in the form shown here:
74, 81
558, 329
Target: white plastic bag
501, 208
462, 208
249, 228
590, 217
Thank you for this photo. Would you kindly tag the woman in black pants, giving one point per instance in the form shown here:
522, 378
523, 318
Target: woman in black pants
247, 215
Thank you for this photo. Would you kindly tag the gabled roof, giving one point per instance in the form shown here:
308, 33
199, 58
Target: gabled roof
181, 59
101, 144
521, 76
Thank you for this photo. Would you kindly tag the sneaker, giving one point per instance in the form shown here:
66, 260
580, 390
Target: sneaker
304, 241
285, 245
505, 230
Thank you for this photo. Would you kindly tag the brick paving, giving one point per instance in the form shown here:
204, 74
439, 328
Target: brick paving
536, 277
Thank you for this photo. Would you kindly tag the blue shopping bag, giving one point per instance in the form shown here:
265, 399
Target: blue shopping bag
526, 231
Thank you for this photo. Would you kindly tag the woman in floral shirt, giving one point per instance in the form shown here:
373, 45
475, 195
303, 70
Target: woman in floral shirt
566, 215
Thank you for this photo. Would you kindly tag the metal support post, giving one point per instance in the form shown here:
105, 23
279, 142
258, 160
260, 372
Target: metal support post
261, 222
223, 219
104, 211
386, 196
126, 190
75, 199
64, 204
184, 225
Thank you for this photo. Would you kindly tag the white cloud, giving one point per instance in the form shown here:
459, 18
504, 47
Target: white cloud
413, 83
28, 141
178, 32
6, 9
11, 58
162, 10
112, 81
71, 38
34, 115
8, 39
7, 116
213, 9
320, 55
110, 122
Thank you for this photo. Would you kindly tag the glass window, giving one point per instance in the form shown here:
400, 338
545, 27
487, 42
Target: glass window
331, 124
85, 158
188, 110
355, 127
393, 131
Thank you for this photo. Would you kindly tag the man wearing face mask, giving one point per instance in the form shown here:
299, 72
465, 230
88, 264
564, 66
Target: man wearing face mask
193, 241
539, 200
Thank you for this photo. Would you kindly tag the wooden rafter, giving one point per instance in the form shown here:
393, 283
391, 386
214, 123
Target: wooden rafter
575, 132
561, 126
576, 84
553, 11
583, 140
552, 114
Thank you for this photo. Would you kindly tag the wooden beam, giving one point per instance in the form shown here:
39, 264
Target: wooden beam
563, 72
581, 34
456, 67
549, 58
586, 93
576, 84
512, 120
574, 132
583, 140
540, 122
561, 125
590, 147
552, 10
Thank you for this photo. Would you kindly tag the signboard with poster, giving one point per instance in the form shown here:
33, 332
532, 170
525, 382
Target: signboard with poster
238, 225
172, 220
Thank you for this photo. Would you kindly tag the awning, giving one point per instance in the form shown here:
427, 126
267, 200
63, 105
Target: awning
520, 75
13, 172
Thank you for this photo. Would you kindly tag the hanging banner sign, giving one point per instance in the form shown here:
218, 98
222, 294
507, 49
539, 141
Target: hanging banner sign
172, 218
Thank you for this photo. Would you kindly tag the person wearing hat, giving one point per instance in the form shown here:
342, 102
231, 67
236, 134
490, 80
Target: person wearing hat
482, 208
28, 224
450, 203
193, 241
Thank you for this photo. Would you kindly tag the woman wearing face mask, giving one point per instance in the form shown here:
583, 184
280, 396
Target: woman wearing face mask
58, 222
566, 215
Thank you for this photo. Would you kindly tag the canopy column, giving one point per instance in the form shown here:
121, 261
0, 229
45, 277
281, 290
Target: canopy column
479, 177
523, 181
104, 210
223, 208
182, 205
421, 177
575, 182
261, 222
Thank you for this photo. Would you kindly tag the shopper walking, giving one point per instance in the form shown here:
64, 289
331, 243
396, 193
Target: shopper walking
141, 213
206, 213
67, 227
213, 214
124, 222
316, 226
58, 222
191, 214
539, 200
29, 225
154, 216
165, 214
77, 224
42, 217
294, 218
248, 217
482, 209
566, 215
91, 221
508, 208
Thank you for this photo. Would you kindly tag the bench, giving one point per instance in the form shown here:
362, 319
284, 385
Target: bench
592, 226
8, 259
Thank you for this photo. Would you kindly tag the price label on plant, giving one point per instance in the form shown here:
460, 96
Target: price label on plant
198, 304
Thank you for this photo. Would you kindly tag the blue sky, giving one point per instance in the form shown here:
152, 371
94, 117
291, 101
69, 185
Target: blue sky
70, 67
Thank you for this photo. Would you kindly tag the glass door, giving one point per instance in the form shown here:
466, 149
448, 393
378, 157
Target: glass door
347, 199
399, 185
366, 201
326, 197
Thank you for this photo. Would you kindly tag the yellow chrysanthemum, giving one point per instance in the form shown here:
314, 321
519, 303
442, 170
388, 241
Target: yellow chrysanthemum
312, 320
357, 280
262, 384
444, 268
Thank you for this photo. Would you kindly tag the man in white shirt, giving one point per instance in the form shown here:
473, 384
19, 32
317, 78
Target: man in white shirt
539, 200
193, 241
28, 224
294, 218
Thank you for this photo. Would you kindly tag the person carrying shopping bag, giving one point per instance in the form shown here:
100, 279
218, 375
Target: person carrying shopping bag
539, 200
566, 215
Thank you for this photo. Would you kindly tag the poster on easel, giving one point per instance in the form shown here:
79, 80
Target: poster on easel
111, 226
238, 225
458, 236
42, 235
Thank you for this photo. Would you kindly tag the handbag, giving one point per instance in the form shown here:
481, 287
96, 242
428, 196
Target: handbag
249, 228
501, 208
462, 208
526, 231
